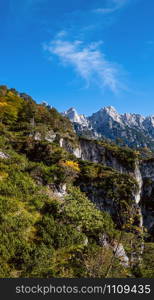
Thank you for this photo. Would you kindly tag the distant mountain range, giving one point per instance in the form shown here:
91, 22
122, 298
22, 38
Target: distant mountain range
129, 129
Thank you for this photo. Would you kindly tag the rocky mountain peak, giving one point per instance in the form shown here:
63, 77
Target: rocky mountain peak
74, 117
134, 129
109, 109
108, 113
133, 119
72, 114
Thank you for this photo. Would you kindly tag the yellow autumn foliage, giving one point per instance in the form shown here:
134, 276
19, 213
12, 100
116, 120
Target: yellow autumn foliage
3, 175
72, 165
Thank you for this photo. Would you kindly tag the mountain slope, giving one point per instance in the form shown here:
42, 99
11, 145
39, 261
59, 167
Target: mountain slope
68, 206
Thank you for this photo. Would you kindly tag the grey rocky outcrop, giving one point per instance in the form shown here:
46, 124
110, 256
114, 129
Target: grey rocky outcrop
143, 173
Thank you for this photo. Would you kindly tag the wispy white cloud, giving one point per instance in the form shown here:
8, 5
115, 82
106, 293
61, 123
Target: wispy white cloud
88, 61
112, 6
61, 34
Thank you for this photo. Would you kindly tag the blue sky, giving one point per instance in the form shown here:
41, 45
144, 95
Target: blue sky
87, 53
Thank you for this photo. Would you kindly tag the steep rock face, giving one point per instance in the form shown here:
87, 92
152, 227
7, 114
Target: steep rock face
126, 174
117, 248
142, 198
132, 129
147, 199
138, 177
99, 153
149, 125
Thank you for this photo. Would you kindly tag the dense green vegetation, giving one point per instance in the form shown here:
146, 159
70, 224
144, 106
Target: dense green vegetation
105, 184
42, 235
47, 234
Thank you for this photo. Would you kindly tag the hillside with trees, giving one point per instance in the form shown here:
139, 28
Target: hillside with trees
62, 215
